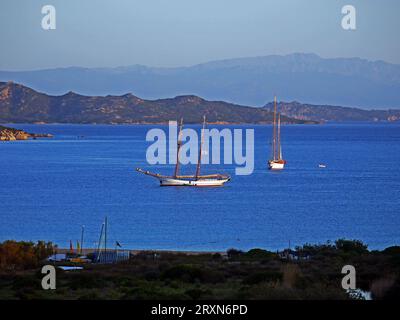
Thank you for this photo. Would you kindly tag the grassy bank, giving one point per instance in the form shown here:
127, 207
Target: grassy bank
309, 272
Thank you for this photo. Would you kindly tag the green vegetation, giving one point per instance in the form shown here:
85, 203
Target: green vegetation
23, 255
311, 272
22, 104
320, 113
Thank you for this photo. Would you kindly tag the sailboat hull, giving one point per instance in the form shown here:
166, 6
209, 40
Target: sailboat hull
197, 180
276, 165
171, 182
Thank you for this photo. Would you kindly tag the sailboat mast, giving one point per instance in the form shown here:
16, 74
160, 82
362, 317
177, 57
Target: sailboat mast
105, 237
201, 148
179, 143
82, 231
279, 136
274, 132
99, 244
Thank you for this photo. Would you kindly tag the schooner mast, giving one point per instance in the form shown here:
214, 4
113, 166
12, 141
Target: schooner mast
179, 144
201, 148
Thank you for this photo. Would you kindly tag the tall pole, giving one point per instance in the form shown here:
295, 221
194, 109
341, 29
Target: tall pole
178, 149
274, 132
82, 231
105, 237
99, 244
279, 136
201, 148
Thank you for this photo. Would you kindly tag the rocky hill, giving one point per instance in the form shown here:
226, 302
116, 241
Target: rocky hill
324, 113
22, 104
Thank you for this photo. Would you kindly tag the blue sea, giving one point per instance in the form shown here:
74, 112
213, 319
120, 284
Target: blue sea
49, 188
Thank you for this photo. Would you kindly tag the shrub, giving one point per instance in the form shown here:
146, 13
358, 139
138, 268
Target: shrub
184, 272
326, 250
92, 295
26, 282
85, 281
259, 254
23, 255
351, 246
392, 251
234, 253
216, 257
266, 276
197, 294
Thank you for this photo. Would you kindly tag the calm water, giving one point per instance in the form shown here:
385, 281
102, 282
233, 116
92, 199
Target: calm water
49, 188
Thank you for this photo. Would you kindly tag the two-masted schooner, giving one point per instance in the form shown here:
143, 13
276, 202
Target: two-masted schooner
276, 163
197, 180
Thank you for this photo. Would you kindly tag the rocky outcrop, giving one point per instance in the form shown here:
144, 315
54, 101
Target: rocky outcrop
10, 134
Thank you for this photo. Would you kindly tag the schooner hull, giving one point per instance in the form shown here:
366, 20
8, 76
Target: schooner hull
171, 182
197, 180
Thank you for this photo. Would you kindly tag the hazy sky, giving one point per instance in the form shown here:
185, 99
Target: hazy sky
99, 33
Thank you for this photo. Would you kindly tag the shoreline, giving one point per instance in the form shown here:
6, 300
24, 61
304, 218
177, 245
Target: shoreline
138, 251
195, 123
160, 123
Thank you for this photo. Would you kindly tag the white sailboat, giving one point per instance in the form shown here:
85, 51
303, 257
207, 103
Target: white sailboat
277, 162
197, 180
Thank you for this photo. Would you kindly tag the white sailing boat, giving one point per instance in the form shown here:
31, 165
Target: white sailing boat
277, 162
197, 180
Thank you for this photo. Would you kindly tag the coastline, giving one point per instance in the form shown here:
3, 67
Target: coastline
218, 123
147, 251
145, 123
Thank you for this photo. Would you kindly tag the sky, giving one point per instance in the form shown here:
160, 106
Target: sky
169, 33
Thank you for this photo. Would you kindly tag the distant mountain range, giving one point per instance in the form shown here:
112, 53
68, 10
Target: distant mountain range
351, 82
22, 104
324, 113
